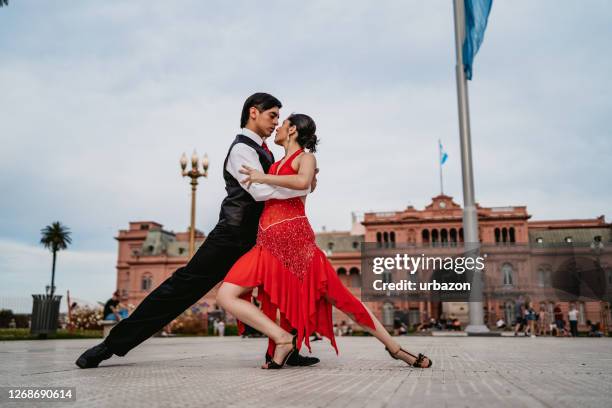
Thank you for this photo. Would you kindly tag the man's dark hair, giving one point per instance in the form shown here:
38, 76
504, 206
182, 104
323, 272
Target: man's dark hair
262, 102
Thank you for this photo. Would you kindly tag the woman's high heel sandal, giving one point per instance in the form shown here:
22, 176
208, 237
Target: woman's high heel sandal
418, 361
273, 365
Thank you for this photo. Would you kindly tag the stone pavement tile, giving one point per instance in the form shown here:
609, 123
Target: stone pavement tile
222, 372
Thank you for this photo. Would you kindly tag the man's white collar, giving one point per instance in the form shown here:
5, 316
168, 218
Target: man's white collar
252, 135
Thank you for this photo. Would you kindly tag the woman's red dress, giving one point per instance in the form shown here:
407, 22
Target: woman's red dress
291, 273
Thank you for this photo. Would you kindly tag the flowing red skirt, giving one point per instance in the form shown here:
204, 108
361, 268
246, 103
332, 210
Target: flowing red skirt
293, 276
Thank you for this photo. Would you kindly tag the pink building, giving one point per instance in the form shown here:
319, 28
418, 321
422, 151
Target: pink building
519, 260
147, 256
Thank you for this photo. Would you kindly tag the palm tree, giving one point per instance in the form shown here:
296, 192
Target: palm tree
55, 237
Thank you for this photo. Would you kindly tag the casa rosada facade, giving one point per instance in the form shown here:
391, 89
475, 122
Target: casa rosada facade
519, 259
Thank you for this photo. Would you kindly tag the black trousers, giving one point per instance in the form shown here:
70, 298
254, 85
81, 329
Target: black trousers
208, 266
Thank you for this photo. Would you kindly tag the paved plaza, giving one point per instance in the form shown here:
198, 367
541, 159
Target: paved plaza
220, 372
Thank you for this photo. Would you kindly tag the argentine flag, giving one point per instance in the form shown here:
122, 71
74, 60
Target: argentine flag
443, 154
476, 16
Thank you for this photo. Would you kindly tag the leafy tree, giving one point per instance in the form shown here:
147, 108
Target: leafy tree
55, 237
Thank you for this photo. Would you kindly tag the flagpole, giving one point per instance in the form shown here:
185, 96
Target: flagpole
440, 164
470, 216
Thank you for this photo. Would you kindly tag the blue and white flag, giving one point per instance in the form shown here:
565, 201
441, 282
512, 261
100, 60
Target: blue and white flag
476, 16
443, 154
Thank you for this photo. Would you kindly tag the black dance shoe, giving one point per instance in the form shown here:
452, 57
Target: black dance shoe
411, 359
93, 356
297, 360
273, 365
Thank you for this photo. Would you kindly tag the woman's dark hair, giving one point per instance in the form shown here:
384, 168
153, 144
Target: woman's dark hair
262, 102
306, 128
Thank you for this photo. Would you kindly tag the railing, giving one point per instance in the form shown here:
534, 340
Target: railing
383, 214
502, 209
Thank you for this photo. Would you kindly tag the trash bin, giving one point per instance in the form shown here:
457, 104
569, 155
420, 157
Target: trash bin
45, 314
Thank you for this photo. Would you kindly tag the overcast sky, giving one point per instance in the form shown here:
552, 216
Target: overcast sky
98, 100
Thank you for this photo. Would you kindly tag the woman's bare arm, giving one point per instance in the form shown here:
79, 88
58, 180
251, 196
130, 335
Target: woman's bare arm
300, 181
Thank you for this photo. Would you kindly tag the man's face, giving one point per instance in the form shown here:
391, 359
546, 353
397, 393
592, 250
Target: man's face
265, 122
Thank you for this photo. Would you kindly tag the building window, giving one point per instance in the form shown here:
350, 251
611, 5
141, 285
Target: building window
341, 271
355, 277
146, 283
379, 239
425, 236
507, 273
540, 240
355, 244
434, 237
386, 276
330, 248
568, 240
497, 235
144, 227
181, 251
544, 276
460, 234
453, 236
444, 237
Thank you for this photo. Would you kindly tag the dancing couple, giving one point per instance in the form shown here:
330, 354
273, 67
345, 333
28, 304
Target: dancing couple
263, 240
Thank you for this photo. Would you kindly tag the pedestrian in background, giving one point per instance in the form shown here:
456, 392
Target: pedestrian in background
573, 320
543, 321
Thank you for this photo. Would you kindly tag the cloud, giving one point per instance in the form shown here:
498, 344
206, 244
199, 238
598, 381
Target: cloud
99, 101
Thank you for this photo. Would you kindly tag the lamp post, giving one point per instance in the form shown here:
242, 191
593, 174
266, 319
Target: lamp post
194, 174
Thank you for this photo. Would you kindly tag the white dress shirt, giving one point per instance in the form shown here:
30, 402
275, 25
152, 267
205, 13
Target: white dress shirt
243, 154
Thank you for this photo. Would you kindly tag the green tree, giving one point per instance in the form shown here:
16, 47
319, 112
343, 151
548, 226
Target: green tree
3, 3
55, 237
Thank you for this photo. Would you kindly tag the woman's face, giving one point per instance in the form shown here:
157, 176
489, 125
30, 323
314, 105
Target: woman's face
282, 133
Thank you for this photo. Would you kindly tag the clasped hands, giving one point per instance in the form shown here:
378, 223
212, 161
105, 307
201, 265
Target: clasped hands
257, 176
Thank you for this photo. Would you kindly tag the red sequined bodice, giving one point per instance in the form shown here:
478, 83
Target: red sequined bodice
284, 229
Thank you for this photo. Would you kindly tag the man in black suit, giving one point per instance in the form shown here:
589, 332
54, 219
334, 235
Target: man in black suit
234, 235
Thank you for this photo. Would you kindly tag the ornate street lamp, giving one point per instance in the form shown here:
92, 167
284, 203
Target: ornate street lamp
194, 174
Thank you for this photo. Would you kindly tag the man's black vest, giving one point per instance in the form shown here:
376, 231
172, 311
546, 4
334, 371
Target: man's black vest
239, 209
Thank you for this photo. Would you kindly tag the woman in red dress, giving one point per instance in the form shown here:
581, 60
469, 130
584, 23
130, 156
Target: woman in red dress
291, 274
